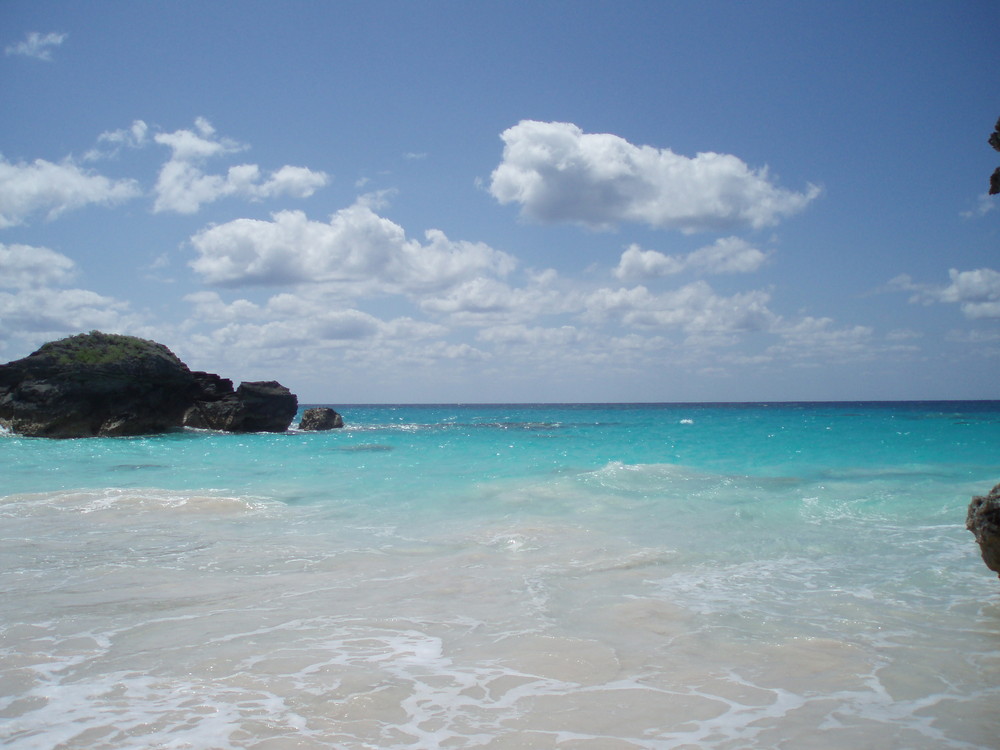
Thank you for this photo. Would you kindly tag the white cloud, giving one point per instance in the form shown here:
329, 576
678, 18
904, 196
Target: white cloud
188, 145
637, 263
532, 337
37, 315
315, 316
477, 296
694, 308
725, 255
35, 312
313, 325
26, 189
183, 186
817, 338
976, 292
25, 266
483, 301
110, 142
356, 247
559, 173
36, 45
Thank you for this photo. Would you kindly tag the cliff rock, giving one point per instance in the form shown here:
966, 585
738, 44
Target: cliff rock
983, 520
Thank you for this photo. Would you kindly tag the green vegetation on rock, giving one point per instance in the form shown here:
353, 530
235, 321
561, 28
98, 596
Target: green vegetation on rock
96, 348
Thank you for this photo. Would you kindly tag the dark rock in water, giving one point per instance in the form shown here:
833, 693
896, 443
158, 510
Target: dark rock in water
95, 384
983, 520
320, 418
100, 384
253, 407
210, 389
267, 406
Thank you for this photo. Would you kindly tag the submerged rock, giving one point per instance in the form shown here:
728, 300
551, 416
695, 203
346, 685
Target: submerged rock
983, 520
100, 384
320, 418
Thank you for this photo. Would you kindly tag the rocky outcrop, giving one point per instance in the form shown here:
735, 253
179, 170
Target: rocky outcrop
320, 418
95, 384
983, 520
101, 384
264, 406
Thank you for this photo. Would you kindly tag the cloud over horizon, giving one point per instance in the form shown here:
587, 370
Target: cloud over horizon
37, 308
356, 247
356, 288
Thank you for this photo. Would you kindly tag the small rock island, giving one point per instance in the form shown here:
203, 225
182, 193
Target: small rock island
100, 385
320, 418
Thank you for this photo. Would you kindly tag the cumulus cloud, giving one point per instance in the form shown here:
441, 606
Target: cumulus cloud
36, 45
58, 311
556, 172
183, 186
356, 246
977, 293
285, 320
26, 266
725, 255
694, 308
35, 311
43, 186
481, 301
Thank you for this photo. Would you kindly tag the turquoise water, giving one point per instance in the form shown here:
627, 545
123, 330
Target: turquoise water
536, 576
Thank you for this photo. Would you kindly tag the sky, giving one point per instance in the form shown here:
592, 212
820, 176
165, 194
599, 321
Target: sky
406, 202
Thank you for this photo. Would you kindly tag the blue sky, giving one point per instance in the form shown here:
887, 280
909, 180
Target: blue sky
490, 202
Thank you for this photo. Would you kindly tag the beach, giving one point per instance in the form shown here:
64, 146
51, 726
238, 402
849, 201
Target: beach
508, 576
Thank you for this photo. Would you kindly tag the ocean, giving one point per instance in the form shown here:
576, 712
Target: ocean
602, 577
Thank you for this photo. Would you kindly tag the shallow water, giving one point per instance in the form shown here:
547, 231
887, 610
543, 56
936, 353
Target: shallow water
661, 576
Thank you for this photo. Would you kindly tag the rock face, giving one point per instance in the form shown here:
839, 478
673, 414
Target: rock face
95, 384
320, 418
983, 520
264, 406
101, 384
